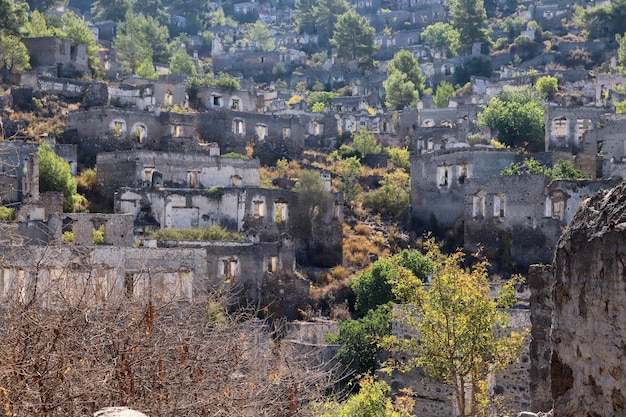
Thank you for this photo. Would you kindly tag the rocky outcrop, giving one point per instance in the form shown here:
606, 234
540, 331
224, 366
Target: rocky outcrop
588, 369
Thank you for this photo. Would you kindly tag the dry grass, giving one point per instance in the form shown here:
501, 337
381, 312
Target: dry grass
362, 230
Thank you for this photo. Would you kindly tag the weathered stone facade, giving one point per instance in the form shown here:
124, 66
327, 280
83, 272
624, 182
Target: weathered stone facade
588, 331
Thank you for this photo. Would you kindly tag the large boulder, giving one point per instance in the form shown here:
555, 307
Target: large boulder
588, 365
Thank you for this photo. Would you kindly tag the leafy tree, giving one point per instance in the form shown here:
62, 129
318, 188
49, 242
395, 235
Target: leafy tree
442, 35
181, 63
146, 70
305, 16
399, 157
372, 288
469, 18
393, 195
261, 35
324, 97
37, 26
140, 38
13, 15
353, 37
55, 175
216, 18
365, 142
405, 82
14, 57
75, 30
359, 339
513, 26
547, 86
444, 91
455, 322
518, 117
319, 16
607, 18
350, 170
405, 63
476, 65
399, 92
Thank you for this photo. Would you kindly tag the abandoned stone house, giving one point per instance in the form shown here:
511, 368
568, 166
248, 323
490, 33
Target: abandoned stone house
257, 65
168, 190
57, 57
144, 94
106, 129
247, 100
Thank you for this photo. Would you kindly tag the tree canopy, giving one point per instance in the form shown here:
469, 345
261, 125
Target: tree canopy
319, 16
139, 38
261, 35
444, 91
366, 143
469, 18
181, 63
354, 37
562, 170
14, 57
55, 175
442, 35
518, 117
455, 321
13, 15
405, 82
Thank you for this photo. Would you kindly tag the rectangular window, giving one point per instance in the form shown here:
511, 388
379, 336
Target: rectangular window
286, 132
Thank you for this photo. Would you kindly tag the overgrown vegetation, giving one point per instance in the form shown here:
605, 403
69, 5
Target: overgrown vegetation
200, 234
562, 170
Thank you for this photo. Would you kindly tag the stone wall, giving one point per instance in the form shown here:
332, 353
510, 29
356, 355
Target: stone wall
589, 316
540, 282
175, 170
169, 273
438, 181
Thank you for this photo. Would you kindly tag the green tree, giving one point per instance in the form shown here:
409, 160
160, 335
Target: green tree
55, 175
513, 26
518, 117
479, 66
365, 142
261, 35
76, 31
181, 63
13, 15
444, 91
354, 37
392, 197
605, 19
442, 35
359, 339
469, 18
146, 70
399, 92
455, 321
405, 82
326, 13
372, 288
324, 97
350, 170
547, 86
14, 57
37, 26
399, 157
305, 16
140, 38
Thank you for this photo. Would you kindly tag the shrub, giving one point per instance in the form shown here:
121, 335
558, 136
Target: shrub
67, 237
97, 236
234, 155
7, 214
87, 180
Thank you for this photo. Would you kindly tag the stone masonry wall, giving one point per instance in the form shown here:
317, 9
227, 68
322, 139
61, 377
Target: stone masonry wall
589, 317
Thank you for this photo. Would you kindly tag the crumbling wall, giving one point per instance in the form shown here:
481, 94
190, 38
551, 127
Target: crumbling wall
589, 317
438, 181
540, 282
